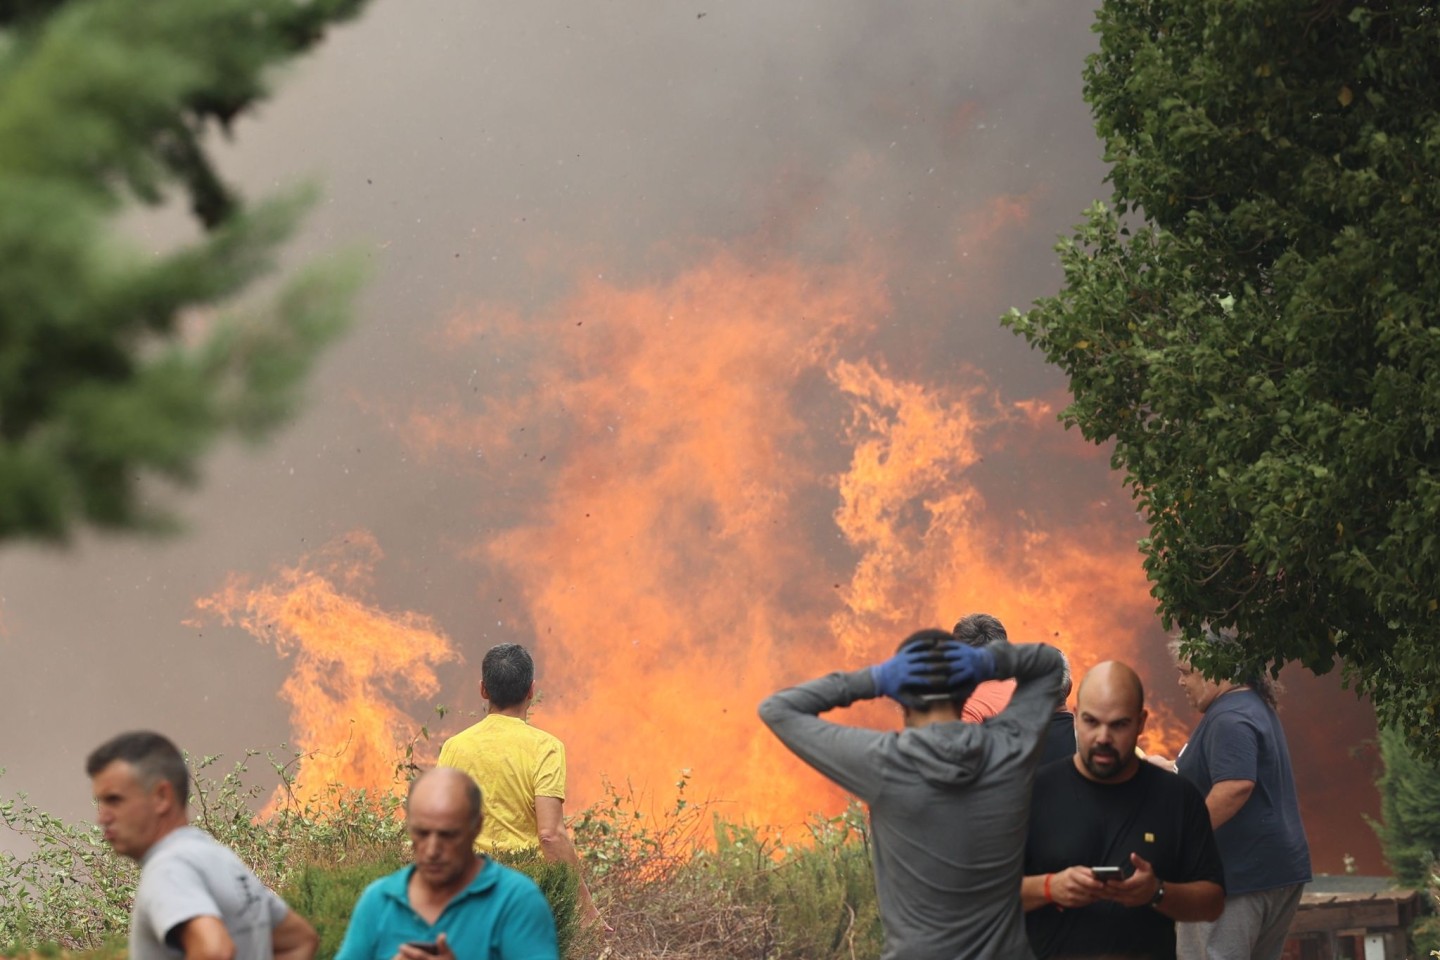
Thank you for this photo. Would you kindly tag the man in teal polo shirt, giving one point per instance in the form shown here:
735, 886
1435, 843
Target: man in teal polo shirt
451, 904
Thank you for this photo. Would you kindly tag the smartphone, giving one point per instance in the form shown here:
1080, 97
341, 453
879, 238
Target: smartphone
1107, 873
433, 948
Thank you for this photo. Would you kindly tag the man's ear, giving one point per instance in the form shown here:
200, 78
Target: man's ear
530, 694
484, 692
1144, 715
162, 795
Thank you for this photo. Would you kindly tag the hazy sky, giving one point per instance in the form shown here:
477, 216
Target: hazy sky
654, 177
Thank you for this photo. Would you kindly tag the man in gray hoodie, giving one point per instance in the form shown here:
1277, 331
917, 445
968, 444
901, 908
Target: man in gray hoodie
949, 801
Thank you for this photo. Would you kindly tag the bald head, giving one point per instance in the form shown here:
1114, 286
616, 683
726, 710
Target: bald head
1109, 718
445, 789
1115, 683
442, 816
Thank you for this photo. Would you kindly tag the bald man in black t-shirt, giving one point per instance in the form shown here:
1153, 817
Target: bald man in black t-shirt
1104, 808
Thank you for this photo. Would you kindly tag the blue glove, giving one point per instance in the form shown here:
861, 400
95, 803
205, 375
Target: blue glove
906, 668
968, 664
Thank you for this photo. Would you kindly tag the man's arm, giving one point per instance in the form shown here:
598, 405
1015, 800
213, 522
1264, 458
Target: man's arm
1226, 798
987, 701
839, 752
1037, 667
205, 938
1069, 888
293, 938
555, 845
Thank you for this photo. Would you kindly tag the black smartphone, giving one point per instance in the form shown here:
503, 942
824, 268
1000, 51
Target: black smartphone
1107, 873
432, 948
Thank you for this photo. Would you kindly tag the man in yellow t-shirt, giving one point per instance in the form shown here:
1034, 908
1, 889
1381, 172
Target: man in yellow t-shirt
520, 769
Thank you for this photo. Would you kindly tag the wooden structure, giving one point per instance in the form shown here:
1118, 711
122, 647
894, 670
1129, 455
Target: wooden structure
1352, 918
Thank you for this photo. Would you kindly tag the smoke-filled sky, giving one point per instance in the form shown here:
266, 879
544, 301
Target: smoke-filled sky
679, 363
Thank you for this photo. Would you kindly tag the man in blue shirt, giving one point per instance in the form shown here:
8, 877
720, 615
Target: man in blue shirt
451, 904
1239, 760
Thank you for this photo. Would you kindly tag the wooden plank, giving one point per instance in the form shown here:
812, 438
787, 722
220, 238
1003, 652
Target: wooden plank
1376, 912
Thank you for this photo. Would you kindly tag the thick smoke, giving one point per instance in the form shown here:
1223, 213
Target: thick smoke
679, 363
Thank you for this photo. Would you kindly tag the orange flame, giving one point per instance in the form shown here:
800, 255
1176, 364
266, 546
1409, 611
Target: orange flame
354, 665
726, 496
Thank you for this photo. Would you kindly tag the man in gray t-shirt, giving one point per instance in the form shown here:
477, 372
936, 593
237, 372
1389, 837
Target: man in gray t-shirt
196, 899
948, 800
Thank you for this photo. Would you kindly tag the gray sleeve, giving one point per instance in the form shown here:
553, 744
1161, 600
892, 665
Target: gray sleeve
173, 891
849, 756
1037, 667
276, 906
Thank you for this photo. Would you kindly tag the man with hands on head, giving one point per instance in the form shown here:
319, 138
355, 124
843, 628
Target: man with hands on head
451, 903
947, 799
1105, 812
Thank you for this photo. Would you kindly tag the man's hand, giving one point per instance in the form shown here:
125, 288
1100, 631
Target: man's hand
908, 667
1075, 886
967, 664
591, 918
1136, 890
293, 938
416, 951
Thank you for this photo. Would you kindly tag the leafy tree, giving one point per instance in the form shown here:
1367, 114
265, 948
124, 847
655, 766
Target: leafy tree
117, 365
1253, 324
1409, 829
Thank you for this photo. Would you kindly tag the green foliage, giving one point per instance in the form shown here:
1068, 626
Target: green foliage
117, 365
67, 890
672, 892
819, 894
668, 891
1253, 326
340, 828
1409, 828
623, 842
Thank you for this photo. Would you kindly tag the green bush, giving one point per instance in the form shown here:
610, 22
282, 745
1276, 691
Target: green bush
824, 892
1409, 829
818, 895
66, 891
670, 892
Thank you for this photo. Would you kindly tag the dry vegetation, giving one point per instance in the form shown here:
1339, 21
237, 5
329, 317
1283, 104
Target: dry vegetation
679, 884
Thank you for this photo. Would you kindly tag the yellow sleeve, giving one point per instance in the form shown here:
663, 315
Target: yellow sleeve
550, 771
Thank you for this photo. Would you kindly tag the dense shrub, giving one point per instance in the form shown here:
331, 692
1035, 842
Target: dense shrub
1409, 829
671, 890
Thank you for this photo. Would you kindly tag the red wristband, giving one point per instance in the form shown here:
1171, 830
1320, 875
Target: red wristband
1048, 898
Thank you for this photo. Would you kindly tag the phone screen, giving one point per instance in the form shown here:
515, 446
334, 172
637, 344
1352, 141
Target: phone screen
427, 947
1106, 873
